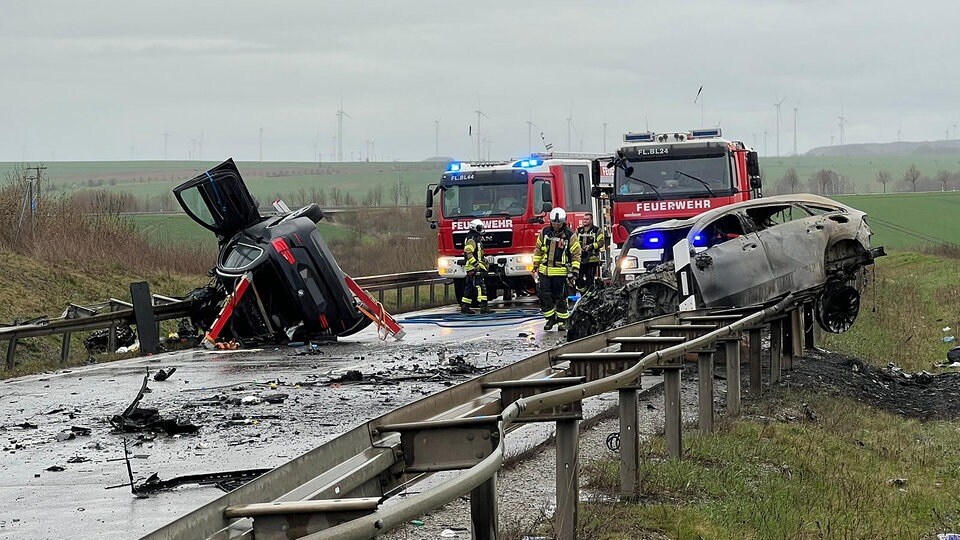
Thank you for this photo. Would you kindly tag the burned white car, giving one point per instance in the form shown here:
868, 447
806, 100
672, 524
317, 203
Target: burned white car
740, 255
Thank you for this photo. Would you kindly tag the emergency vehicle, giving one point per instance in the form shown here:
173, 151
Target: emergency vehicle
513, 199
676, 175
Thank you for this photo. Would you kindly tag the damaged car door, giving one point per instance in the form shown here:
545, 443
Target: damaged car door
219, 201
733, 270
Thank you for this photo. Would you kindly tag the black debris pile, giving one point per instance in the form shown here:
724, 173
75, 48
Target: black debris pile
919, 395
651, 294
459, 366
163, 374
135, 418
97, 341
227, 481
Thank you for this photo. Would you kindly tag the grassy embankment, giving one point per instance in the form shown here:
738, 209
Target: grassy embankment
778, 474
771, 476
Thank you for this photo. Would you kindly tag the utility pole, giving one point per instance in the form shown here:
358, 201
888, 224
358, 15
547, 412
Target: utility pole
604, 136
261, 144
436, 135
165, 135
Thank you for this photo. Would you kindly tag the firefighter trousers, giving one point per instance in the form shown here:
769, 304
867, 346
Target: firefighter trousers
474, 289
588, 273
553, 297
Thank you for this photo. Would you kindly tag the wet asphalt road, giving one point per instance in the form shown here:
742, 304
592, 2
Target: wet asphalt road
39, 503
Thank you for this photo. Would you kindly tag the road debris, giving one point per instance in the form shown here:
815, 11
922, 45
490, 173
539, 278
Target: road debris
226, 481
135, 418
162, 375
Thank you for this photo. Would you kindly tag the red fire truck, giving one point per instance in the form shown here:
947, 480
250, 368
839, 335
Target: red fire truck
661, 176
512, 199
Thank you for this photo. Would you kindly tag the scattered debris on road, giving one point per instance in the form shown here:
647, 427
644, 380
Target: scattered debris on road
136, 418
227, 481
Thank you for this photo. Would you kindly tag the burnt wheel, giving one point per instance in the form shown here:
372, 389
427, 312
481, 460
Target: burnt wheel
837, 308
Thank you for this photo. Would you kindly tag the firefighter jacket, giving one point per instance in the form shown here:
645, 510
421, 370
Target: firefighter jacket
557, 252
591, 242
473, 253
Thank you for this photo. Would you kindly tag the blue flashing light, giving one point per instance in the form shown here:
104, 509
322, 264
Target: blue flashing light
699, 240
528, 163
454, 167
652, 240
645, 136
705, 133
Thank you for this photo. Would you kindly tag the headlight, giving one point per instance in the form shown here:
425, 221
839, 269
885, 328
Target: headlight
525, 260
629, 263
443, 262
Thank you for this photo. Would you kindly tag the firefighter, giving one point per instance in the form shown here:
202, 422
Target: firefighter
475, 287
557, 261
592, 244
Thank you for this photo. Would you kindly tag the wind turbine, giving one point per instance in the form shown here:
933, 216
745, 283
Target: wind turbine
436, 135
954, 130
842, 120
165, 135
899, 131
796, 113
604, 136
777, 105
699, 94
479, 141
261, 143
200, 148
340, 114
530, 126
570, 129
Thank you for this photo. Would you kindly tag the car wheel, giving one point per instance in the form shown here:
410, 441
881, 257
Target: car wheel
837, 308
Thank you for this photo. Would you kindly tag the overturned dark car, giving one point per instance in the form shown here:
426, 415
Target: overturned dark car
738, 255
275, 278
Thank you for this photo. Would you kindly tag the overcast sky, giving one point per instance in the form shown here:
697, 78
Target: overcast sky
103, 80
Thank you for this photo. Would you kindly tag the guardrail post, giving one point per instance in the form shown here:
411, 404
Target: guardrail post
671, 410
796, 337
776, 350
568, 479
112, 339
756, 368
732, 349
416, 297
145, 317
433, 295
808, 338
629, 442
705, 390
65, 348
11, 352
483, 510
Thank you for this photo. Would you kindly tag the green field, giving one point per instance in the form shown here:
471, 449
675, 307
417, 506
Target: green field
905, 220
180, 229
151, 180
862, 170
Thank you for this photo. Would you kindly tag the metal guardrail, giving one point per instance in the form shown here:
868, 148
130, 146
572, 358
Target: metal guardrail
114, 313
464, 428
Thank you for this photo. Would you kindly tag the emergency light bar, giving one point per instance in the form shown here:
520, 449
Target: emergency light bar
454, 166
528, 162
705, 133
645, 136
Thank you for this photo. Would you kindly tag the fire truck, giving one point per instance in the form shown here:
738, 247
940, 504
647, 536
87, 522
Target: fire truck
661, 176
513, 199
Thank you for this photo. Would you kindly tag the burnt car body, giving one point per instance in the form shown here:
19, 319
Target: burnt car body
294, 287
740, 255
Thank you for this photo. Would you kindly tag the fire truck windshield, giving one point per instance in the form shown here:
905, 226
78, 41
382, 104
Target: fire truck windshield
674, 178
478, 200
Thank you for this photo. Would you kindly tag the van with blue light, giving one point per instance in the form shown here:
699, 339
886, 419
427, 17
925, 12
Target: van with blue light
511, 198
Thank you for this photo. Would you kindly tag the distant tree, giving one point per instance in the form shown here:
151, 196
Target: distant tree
377, 195
406, 195
943, 177
911, 176
395, 191
884, 178
336, 196
791, 181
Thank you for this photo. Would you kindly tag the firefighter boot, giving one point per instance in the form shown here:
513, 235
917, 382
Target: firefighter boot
564, 325
465, 309
550, 322
484, 308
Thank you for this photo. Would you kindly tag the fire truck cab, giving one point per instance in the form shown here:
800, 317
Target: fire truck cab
513, 199
676, 175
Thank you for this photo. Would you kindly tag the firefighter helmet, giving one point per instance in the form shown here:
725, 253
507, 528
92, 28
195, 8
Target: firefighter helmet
557, 215
476, 226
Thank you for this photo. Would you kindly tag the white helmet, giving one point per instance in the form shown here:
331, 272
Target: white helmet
476, 226
557, 215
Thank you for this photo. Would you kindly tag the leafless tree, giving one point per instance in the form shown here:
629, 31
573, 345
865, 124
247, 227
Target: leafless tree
790, 182
395, 191
406, 195
911, 176
883, 177
336, 196
943, 177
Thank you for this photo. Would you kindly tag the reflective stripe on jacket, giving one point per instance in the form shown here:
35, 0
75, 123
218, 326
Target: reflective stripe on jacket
592, 242
473, 253
557, 252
